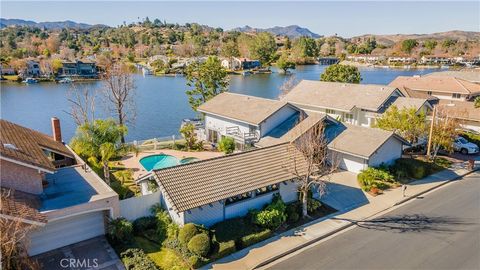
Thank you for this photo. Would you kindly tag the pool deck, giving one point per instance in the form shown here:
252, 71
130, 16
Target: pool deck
133, 162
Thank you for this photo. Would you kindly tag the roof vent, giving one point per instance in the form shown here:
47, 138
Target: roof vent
10, 146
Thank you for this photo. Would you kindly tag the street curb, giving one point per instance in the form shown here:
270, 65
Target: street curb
341, 228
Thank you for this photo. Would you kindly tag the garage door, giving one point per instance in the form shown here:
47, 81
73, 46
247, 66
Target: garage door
66, 231
351, 163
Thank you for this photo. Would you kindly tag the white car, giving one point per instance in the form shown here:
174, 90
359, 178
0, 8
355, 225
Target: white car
464, 146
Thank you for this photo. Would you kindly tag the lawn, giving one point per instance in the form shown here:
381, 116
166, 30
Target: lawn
11, 77
164, 258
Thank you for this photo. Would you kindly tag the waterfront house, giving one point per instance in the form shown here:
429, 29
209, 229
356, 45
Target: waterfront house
356, 104
235, 63
403, 60
7, 70
244, 118
78, 68
32, 69
436, 60
366, 58
441, 87
61, 194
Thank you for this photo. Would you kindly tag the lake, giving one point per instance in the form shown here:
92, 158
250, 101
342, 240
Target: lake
161, 101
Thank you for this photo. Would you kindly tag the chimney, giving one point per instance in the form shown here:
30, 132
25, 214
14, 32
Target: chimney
56, 130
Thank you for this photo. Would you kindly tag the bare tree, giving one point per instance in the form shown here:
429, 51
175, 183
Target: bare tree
287, 86
119, 90
317, 165
14, 237
82, 104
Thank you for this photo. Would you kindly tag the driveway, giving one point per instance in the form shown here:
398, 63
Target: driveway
95, 253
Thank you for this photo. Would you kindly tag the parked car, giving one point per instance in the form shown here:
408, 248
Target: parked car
465, 147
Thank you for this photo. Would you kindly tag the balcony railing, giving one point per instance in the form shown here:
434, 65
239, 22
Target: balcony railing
242, 137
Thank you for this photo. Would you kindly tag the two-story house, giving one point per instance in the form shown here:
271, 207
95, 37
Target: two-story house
80, 68
440, 87
244, 118
66, 199
356, 104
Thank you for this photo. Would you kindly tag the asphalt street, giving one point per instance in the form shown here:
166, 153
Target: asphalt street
440, 230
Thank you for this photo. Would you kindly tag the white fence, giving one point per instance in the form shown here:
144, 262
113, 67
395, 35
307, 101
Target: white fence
157, 143
135, 207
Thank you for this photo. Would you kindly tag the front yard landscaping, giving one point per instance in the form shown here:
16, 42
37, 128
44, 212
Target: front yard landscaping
403, 171
161, 244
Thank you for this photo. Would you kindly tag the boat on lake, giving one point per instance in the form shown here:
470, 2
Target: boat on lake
66, 80
30, 81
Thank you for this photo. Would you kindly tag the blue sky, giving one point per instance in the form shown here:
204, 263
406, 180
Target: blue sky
344, 18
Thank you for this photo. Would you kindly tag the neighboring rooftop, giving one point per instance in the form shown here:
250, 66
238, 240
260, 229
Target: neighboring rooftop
463, 110
339, 96
467, 75
409, 103
17, 204
248, 109
416, 94
203, 182
26, 145
442, 84
356, 140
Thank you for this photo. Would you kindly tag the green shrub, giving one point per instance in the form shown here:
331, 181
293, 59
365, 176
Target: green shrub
154, 209
253, 238
199, 244
418, 172
225, 248
120, 229
230, 229
313, 205
196, 261
163, 222
144, 223
293, 212
187, 232
136, 259
273, 216
375, 177
226, 145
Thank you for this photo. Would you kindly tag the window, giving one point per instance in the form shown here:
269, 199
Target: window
328, 111
348, 117
429, 93
267, 189
456, 95
238, 198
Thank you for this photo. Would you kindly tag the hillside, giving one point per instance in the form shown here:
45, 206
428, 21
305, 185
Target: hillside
389, 40
291, 31
48, 25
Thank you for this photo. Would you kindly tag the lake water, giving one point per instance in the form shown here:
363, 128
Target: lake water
161, 101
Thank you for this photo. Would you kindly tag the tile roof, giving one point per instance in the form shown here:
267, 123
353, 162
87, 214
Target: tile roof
22, 205
416, 94
463, 110
199, 183
467, 75
26, 145
248, 109
339, 96
357, 140
442, 84
408, 102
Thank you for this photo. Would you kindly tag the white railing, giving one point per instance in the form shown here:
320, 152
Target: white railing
156, 143
246, 137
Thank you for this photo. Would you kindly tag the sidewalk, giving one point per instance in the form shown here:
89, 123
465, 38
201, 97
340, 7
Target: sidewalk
267, 251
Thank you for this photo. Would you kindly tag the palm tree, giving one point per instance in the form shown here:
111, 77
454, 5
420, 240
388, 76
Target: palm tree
99, 142
107, 152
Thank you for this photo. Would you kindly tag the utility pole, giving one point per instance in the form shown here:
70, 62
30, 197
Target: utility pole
429, 146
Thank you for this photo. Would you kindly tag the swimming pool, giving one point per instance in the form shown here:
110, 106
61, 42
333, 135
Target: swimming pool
155, 162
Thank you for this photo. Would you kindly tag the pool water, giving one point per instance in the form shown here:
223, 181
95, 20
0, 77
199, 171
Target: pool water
155, 162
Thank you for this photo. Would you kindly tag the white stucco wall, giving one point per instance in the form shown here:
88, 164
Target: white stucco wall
206, 215
289, 192
176, 217
213, 122
276, 119
448, 96
387, 153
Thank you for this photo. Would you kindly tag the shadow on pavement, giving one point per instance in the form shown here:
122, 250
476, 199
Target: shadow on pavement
412, 223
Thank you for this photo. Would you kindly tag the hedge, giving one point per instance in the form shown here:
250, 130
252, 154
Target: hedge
224, 249
144, 223
199, 244
187, 232
253, 238
136, 259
